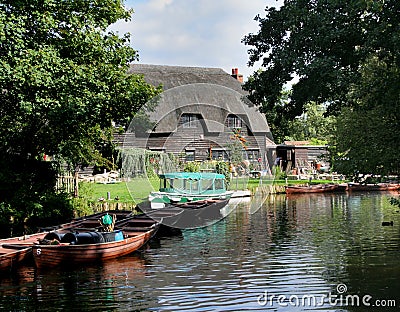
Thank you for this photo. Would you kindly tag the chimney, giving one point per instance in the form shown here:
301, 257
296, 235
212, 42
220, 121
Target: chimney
236, 75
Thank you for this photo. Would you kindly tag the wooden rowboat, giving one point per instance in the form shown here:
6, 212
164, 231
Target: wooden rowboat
356, 187
320, 188
186, 215
16, 250
74, 252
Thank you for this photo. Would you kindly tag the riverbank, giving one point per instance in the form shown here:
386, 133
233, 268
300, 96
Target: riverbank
126, 195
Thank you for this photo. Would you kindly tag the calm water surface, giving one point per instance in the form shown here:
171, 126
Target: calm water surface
291, 251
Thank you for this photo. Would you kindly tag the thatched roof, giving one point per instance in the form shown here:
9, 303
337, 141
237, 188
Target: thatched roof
210, 92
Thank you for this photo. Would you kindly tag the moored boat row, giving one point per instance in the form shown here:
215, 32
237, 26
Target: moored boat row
79, 241
342, 187
85, 240
184, 200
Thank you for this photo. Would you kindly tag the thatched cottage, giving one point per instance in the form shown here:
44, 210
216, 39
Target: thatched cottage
202, 114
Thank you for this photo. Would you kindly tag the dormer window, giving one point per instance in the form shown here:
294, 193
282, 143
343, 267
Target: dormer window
233, 122
189, 120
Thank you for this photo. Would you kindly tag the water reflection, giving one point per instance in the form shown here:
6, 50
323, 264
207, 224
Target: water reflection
303, 245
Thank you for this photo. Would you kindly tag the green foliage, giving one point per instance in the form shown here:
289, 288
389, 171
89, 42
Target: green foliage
222, 167
278, 173
395, 202
277, 120
64, 78
53, 208
367, 134
63, 82
139, 162
323, 43
312, 126
236, 146
80, 204
235, 149
344, 55
25, 187
191, 166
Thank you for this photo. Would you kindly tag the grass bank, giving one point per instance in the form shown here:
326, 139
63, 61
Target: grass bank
137, 190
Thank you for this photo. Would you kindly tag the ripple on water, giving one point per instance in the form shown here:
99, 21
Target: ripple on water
292, 247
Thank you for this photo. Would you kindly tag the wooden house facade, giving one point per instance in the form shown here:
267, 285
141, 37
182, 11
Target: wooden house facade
300, 156
201, 115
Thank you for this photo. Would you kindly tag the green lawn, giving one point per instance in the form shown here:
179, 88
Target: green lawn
138, 189
133, 191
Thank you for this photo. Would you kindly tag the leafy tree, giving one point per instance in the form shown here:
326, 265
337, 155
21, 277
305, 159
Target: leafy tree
312, 125
367, 134
278, 122
63, 81
236, 146
322, 43
344, 55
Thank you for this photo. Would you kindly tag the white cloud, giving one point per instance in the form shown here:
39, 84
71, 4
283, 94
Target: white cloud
205, 33
158, 4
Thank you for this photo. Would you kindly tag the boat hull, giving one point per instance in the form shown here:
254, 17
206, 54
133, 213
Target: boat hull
67, 255
186, 215
354, 187
321, 188
161, 199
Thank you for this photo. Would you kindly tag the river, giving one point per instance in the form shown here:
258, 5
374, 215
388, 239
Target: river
299, 253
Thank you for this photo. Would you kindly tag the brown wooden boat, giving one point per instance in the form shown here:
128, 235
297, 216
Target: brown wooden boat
319, 188
356, 187
15, 250
93, 246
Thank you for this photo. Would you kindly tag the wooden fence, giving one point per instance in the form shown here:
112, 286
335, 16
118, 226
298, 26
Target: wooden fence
65, 184
105, 206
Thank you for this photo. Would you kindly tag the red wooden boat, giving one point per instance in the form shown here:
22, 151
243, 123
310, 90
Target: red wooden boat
15, 250
92, 246
319, 188
356, 187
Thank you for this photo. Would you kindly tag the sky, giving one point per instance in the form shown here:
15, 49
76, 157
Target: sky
199, 33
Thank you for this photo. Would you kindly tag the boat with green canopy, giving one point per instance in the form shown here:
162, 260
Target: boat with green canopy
184, 187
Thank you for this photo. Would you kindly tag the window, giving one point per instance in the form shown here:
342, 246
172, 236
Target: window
207, 184
252, 155
189, 120
234, 122
219, 154
219, 184
189, 155
194, 188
